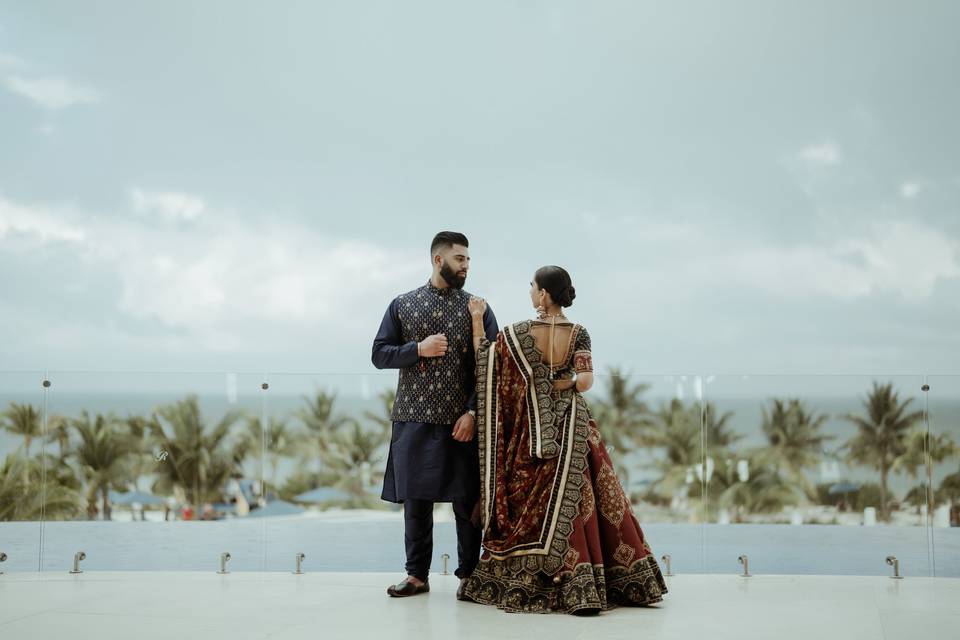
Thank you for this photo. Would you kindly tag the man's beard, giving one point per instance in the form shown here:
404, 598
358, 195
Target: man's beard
450, 276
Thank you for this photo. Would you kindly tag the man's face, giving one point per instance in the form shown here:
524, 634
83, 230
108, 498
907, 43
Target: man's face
454, 266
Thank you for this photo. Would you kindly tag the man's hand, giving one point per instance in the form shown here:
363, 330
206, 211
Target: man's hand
433, 346
464, 428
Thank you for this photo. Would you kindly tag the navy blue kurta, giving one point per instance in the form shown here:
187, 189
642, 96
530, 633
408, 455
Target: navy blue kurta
424, 461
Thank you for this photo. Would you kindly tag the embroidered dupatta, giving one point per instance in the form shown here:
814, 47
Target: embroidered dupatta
559, 533
513, 389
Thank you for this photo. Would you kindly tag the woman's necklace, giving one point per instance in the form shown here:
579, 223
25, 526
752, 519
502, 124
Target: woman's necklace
541, 314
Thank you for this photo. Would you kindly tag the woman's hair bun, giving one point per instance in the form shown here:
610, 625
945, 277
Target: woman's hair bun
557, 282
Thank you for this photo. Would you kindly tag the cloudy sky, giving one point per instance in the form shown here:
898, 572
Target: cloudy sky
738, 187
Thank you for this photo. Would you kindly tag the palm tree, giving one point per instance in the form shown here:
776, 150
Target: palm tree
62, 484
678, 437
103, 455
25, 496
198, 461
58, 430
881, 434
383, 419
922, 449
143, 463
680, 434
765, 491
321, 424
794, 440
61, 469
277, 443
23, 420
949, 490
622, 417
720, 436
351, 454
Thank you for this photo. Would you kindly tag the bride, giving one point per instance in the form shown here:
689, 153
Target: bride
558, 531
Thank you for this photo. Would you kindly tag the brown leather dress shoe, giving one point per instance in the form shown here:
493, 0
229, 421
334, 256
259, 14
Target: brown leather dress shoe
406, 588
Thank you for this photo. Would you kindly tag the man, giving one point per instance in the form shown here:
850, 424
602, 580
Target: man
426, 333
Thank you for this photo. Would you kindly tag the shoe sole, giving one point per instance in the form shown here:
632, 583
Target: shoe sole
393, 594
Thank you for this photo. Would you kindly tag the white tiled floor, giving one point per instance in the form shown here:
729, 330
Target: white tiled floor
354, 605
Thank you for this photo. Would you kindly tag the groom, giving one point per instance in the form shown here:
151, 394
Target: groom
427, 334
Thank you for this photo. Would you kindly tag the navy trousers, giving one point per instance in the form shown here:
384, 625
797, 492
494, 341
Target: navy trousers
418, 537
426, 465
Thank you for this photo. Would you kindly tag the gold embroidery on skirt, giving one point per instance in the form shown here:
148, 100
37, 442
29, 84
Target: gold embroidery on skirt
588, 501
611, 495
624, 554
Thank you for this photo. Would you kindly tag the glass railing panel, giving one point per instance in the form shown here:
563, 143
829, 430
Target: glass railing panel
165, 470
651, 426
326, 452
943, 454
815, 474
25, 443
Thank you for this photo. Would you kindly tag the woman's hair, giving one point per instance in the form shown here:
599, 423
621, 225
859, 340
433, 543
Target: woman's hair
557, 283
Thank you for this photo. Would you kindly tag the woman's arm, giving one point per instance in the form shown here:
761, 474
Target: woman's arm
477, 308
583, 360
584, 381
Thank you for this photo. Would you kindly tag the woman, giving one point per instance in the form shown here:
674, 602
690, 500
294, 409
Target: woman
559, 534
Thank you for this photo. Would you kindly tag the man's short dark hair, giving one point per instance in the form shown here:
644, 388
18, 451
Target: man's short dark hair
447, 239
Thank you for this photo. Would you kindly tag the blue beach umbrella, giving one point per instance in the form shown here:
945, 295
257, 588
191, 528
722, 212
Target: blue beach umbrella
130, 497
276, 508
323, 494
843, 487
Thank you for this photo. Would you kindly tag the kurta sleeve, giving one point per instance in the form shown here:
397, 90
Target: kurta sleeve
582, 357
389, 349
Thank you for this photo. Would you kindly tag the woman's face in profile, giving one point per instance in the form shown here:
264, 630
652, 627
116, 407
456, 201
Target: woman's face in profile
534, 293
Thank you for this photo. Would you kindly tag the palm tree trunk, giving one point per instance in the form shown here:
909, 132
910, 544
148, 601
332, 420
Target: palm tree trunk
883, 491
92, 504
105, 493
913, 478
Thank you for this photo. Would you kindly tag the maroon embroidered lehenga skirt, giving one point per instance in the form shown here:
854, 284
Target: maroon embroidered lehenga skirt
559, 532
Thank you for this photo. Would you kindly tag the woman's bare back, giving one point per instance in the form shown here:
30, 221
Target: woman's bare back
559, 356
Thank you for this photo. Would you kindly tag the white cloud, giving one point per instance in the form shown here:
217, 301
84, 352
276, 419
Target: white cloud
225, 280
911, 189
824, 154
814, 166
903, 258
52, 92
264, 290
906, 257
231, 280
170, 205
8, 61
37, 223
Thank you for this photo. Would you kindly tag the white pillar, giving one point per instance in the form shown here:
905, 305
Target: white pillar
941, 516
